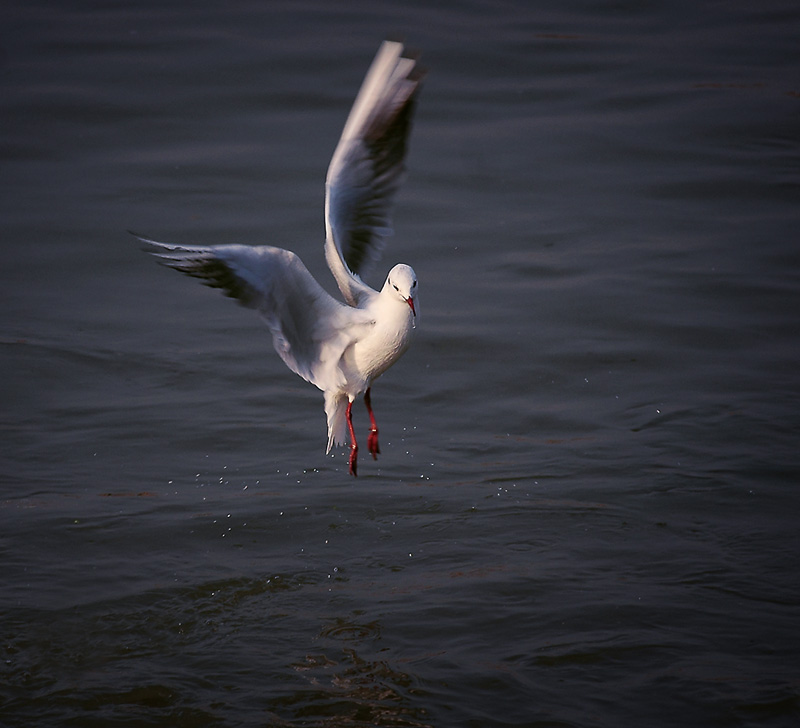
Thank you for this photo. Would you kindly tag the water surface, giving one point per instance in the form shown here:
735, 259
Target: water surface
585, 508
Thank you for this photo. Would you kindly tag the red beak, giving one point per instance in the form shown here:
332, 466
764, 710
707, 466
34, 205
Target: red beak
410, 302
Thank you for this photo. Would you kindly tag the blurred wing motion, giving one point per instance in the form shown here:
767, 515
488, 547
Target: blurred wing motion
310, 329
367, 168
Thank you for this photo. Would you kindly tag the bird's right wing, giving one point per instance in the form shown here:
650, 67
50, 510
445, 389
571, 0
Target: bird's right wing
310, 329
367, 167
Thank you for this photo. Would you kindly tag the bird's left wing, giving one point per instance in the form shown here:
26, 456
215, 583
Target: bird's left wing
367, 167
310, 329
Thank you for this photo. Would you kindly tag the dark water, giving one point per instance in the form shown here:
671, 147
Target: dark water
585, 513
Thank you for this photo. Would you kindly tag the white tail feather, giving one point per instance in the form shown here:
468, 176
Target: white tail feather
336, 411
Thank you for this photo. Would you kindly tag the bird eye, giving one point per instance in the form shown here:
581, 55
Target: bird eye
395, 287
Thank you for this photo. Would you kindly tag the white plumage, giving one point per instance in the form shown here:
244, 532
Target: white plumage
339, 347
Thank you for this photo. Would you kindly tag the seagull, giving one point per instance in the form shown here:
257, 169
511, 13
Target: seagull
340, 347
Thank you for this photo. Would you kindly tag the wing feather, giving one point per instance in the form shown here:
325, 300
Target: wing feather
367, 169
310, 329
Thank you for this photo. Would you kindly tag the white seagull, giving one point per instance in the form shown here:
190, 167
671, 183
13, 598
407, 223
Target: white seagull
339, 347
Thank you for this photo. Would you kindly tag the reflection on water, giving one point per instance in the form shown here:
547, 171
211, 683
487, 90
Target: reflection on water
348, 689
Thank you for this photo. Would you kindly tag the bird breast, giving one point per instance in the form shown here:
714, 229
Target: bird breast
386, 343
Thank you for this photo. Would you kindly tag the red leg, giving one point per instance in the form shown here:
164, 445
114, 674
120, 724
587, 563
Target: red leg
372, 440
353, 443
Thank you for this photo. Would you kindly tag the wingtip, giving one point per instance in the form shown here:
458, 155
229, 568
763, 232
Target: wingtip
394, 40
150, 243
142, 239
411, 52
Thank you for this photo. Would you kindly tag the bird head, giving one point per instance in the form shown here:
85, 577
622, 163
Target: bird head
401, 283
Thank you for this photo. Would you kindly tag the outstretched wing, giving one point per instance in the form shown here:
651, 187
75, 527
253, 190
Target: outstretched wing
310, 329
367, 168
